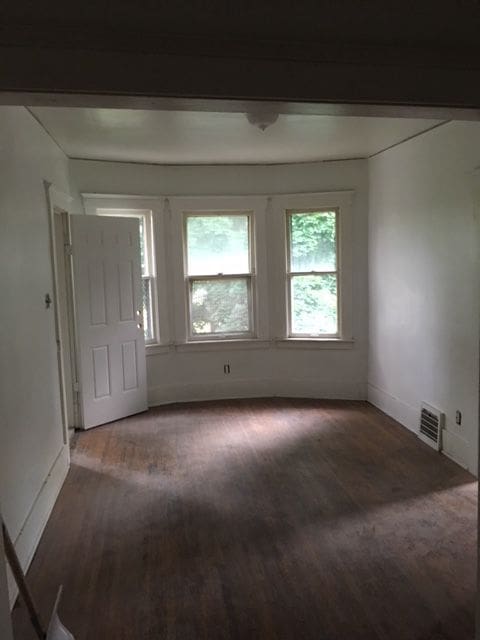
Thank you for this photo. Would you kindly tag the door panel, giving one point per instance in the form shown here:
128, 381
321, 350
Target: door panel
97, 297
125, 290
129, 366
107, 273
101, 371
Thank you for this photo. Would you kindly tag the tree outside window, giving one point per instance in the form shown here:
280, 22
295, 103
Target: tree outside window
219, 274
313, 272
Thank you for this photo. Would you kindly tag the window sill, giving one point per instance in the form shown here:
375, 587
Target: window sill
250, 344
239, 344
314, 343
207, 345
154, 349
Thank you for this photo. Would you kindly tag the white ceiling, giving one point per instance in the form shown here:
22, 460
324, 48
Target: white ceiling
187, 137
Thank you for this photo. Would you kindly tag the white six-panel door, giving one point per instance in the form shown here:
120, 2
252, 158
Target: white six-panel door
111, 345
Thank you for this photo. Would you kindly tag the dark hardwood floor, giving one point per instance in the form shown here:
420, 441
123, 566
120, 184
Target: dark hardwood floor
259, 519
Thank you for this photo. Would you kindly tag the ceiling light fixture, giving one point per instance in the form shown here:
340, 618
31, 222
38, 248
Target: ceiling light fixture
262, 119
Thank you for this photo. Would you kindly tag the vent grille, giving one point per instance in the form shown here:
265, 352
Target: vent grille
431, 424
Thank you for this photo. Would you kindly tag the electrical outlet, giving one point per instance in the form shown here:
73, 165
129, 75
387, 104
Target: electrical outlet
226, 369
458, 417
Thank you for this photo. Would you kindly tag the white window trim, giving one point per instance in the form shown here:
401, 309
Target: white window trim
270, 295
255, 207
127, 206
249, 277
291, 274
334, 200
251, 344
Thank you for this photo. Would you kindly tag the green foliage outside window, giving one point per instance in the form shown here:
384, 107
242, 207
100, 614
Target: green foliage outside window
219, 244
313, 248
314, 304
220, 306
313, 241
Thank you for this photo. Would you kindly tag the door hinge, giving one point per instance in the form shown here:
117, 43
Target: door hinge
68, 249
76, 387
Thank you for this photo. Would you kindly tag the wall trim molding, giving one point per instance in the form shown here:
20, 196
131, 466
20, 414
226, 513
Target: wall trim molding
27, 540
456, 448
453, 445
257, 388
397, 409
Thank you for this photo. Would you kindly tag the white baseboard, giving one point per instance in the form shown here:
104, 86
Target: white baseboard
259, 388
453, 445
27, 540
320, 389
393, 407
217, 390
456, 448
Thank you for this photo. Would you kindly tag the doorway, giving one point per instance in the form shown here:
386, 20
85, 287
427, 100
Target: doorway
64, 306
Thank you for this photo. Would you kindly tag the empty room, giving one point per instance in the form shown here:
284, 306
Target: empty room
240, 367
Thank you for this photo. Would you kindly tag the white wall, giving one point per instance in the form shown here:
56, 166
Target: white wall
176, 374
152, 180
424, 282
33, 458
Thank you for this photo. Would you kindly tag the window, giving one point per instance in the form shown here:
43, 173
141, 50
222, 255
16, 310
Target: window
313, 273
147, 263
219, 273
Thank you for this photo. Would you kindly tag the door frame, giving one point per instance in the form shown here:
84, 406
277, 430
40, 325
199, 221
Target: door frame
59, 203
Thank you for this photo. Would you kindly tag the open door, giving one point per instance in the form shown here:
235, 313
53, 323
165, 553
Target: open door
111, 344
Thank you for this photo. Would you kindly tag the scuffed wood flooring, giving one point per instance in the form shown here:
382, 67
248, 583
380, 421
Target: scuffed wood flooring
259, 519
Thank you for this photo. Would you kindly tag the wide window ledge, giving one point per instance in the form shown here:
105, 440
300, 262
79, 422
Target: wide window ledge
249, 344
155, 349
314, 343
208, 345
235, 344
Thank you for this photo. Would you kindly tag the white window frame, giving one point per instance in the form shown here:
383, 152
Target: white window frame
257, 207
123, 206
291, 274
282, 206
249, 277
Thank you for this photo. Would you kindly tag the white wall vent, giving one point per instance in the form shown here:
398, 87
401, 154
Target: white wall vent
431, 425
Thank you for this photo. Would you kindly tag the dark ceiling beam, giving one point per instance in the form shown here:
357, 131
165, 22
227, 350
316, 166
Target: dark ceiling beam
145, 69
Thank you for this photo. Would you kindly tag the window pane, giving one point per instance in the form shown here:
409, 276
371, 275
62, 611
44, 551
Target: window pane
220, 306
313, 242
147, 309
217, 244
143, 252
314, 304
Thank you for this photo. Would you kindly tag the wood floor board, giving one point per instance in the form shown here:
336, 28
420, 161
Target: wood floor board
268, 519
